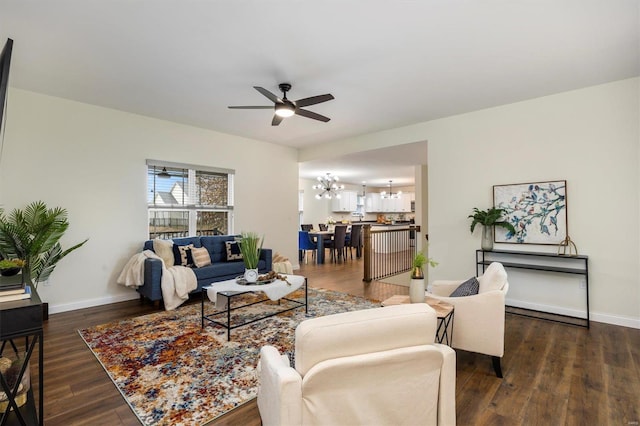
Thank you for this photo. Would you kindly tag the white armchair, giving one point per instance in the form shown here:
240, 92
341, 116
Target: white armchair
478, 323
371, 367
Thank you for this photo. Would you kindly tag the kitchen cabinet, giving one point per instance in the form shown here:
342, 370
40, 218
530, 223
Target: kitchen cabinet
373, 203
396, 205
347, 202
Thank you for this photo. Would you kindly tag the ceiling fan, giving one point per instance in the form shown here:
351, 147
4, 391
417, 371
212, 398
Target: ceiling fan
286, 108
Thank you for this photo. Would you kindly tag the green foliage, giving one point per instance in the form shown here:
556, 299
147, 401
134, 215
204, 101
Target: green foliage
418, 262
420, 259
490, 217
11, 263
250, 247
34, 234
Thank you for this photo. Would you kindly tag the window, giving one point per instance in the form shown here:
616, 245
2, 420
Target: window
188, 200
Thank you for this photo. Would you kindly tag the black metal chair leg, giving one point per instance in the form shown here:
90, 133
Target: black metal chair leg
496, 366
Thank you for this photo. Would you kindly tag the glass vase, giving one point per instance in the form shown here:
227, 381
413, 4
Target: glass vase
487, 238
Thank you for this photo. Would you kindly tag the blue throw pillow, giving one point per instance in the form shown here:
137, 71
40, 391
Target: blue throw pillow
467, 288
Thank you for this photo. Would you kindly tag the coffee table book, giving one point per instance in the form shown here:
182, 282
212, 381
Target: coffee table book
25, 293
11, 286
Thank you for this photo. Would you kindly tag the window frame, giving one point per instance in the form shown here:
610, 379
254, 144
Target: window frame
193, 209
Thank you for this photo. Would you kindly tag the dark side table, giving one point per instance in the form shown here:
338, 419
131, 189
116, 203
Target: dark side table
22, 319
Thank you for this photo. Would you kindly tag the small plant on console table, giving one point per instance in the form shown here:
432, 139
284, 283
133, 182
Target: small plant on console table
250, 247
488, 219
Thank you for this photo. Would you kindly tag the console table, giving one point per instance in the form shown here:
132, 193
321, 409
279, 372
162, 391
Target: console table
538, 261
22, 319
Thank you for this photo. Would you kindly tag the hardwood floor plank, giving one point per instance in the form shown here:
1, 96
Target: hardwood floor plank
554, 373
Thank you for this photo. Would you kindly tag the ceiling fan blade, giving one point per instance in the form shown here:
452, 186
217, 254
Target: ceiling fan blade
314, 100
251, 107
273, 98
276, 120
309, 114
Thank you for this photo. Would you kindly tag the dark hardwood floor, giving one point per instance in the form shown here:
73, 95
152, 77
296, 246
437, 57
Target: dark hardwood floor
554, 374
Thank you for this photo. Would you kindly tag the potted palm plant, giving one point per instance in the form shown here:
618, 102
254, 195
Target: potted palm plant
417, 285
33, 235
488, 219
250, 247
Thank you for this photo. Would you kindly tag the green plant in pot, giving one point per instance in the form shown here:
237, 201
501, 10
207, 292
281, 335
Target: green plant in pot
251, 247
9, 267
417, 285
33, 235
417, 271
488, 219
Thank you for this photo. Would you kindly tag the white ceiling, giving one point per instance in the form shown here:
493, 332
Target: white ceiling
388, 63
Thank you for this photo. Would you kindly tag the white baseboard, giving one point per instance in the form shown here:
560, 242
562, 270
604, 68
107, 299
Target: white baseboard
55, 309
594, 316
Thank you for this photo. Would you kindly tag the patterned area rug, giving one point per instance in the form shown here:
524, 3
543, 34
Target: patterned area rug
171, 372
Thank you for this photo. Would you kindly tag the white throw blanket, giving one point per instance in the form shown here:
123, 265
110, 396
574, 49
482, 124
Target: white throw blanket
177, 281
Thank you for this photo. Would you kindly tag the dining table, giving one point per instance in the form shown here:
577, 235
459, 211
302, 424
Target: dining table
321, 237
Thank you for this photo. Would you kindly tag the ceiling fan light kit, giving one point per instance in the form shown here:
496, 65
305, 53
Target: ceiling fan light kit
284, 107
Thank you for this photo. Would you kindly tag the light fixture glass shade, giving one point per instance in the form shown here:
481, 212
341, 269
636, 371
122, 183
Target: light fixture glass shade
284, 110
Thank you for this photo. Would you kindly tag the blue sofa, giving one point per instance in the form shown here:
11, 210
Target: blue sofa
219, 270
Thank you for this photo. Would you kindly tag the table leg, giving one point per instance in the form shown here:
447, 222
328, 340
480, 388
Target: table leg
320, 255
228, 320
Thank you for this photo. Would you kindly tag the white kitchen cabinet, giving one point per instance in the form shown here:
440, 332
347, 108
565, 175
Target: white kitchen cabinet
373, 203
348, 202
403, 204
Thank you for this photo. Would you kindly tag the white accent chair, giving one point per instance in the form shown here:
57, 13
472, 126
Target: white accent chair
478, 323
376, 366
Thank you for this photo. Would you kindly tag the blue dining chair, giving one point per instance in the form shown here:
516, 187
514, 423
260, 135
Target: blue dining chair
305, 244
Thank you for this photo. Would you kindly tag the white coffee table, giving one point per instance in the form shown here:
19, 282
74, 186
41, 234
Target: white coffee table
223, 292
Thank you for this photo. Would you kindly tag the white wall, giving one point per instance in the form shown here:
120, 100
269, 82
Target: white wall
590, 137
91, 161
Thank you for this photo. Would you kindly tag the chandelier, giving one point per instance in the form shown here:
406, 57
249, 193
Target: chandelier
390, 194
328, 187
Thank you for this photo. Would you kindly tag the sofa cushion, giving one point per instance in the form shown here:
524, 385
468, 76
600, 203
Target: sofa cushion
164, 249
222, 271
216, 247
233, 251
467, 288
215, 271
188, 240
200, 257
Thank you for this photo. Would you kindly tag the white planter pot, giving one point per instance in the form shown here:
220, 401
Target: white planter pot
251, 275
416, 290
